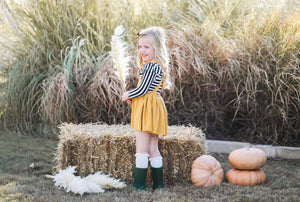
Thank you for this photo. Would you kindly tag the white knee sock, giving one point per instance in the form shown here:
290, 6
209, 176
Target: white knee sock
156, 162
141, 160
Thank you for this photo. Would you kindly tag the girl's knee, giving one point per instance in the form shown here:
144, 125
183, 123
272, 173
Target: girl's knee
154, 152
142, 142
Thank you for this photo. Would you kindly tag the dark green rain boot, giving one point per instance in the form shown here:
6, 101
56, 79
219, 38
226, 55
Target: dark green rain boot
157, 176
139, 178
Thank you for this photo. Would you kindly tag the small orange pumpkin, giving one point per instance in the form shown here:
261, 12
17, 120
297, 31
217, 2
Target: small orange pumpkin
245, 177
206, 171
247, 158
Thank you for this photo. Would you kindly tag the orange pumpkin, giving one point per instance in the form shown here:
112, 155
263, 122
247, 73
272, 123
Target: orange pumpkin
247, 158
245, 177
206, 171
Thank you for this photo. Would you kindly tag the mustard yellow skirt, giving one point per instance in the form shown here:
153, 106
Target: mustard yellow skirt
149, 114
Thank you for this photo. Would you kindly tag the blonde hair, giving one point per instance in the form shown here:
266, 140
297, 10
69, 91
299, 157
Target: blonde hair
157, 38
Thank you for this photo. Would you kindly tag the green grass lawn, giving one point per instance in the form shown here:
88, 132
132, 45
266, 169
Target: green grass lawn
19, 182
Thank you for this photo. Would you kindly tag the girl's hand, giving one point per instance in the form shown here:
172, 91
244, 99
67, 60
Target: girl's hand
125, 96
128, 101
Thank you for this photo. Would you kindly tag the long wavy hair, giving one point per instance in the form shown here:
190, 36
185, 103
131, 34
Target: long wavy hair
157, 38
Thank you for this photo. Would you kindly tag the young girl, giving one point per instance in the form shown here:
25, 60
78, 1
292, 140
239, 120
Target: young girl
149, 115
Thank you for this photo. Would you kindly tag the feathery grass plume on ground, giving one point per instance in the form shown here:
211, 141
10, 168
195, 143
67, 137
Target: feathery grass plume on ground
93, 183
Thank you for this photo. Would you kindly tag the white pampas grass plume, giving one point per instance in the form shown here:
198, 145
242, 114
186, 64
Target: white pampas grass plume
64, 177
81, 185
92, 187
93, 183
77, 186
118, 52
105, 181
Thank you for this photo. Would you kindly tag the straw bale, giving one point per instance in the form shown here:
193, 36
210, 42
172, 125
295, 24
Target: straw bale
111, 149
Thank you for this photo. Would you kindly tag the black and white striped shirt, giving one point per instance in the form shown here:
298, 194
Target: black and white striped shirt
151, 76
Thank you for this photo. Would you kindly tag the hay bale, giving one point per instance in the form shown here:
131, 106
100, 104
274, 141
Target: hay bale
111, 149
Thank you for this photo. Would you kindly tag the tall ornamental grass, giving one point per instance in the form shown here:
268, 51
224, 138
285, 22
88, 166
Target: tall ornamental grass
234, 64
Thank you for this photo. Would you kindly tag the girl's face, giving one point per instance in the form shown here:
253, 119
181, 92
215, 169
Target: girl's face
145, 49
